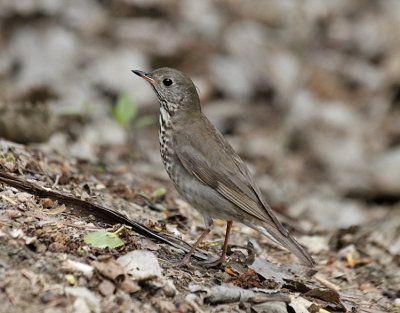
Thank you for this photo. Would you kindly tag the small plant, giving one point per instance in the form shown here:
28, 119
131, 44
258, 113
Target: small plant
153, 197
8, 161
125, 112
9, 158
103, 239
158, 193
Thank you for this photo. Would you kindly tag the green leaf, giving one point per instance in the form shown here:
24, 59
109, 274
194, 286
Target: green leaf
159, 206
9, 158
124, 111
159, 192
144, 195
71, 279
103, 239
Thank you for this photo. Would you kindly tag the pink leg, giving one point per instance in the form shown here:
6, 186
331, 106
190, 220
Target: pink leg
185, 260
222, 258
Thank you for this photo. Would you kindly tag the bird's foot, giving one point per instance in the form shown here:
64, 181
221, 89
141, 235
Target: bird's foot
181, 263
213, 262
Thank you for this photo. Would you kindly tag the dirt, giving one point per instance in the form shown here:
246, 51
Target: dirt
307, 92
39, 235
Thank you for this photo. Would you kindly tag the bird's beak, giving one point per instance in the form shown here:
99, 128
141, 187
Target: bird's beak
146, 76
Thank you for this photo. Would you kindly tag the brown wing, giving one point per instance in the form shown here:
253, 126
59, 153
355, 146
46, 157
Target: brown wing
214, 163
217, 165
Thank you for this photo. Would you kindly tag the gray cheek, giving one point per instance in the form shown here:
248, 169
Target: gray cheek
179, 97
171, 96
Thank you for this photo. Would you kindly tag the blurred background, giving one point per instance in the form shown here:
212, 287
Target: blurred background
307, 92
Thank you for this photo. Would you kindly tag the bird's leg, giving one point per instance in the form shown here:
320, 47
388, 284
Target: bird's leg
222, 258
185, 260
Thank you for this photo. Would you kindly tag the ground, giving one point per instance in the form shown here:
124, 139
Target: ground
307, 92
41, 237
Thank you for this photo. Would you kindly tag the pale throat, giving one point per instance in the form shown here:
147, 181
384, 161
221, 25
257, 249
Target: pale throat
164, 115
167, 110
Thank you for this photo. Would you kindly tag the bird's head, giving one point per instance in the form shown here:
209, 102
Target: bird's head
174, 89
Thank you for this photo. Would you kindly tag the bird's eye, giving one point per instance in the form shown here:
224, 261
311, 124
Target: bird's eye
167, 82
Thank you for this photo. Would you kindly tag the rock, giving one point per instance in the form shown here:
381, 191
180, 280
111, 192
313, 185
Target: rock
270, 307
24, 8
388, 234
109, 268
24, 197
385, 173
89, 18
328, 213
85, 295
315, 244
80, 306
225, 115
26, 122
283, 71
270, 271
140, 264
334, 136
57, 50
128, 285
231, 76
228, 293
122, 61
273, 12
106, 288
299, 304
103, 132
203, 17
86, 269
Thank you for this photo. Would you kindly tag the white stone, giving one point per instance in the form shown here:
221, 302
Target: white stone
140, 264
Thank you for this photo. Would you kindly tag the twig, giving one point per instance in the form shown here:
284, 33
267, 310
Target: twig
9, 200
103, 214
326, 283
56, 181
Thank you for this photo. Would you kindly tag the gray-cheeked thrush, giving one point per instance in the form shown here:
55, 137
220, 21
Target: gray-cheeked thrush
204, 168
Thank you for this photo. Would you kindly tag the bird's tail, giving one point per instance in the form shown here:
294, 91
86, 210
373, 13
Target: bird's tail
285, 240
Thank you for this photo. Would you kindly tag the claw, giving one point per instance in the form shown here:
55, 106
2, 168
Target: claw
213, 262
208, 263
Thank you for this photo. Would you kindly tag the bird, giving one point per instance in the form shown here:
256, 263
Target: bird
205, 169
